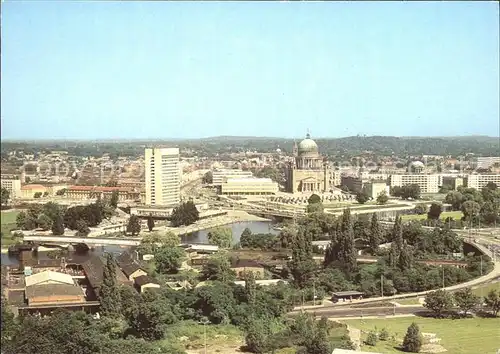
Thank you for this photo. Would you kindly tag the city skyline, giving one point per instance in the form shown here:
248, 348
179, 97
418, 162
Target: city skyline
132, 71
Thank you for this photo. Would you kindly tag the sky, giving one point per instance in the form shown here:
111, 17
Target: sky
124, 70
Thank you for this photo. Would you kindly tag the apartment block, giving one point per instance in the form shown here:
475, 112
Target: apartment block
12, 184
162, 176
480, 181
486, 161
452, 182
374, 188
427, 183
220, 176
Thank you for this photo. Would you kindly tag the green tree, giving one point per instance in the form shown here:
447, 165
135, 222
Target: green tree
314, 208
362, 198
454, 198
375, 234
439, 302
410, 191
221, 236
302, 264
372, 339
383, 335
471, 210
405, 257
250, 287
184, 214
82, 227
421, 209
466, 300
134, 225
61, 191
8, 323
314, 199
169, 259
218, 267
435, 211
58, 226
397, 237
492, 300
413, 340
382, 198
147, 321
208, 178
4, 196
151, 223
44, 222
109, 293
37, 195
257, 336
347, 250
114, 199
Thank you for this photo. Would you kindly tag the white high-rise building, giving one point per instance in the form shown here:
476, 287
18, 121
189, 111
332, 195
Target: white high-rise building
162, 176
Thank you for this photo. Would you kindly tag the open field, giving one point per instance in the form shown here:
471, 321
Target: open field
8, 223
484, 289
461, 336
457, 215
408, 301
362, 207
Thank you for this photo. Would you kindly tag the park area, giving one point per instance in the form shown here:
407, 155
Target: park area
456, 336
8, 223
456, 215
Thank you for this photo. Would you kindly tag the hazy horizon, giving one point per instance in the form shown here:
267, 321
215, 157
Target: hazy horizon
189, 70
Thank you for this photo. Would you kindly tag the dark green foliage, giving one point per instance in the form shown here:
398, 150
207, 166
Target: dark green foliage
184, 214
4, 196
382, 198
8, 324
314, 199
302, 264
265, 242
439, 302
113, 202
375, 234
58, 226
362, 198
134, 225
383, 335
82, 228
466, 300
151, 223
147, 320
435, 211
492, 300
218, 267
221, 236
347, 251
413, 339
208, 178
92, 214
109, 293
44, 222
169, 259
372, 339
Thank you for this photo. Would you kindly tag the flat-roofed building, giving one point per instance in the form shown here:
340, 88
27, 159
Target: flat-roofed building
480, 181
53, 294
162, 176
13, 184
91, 192
453, 182
29, 191
374, 188
427, 183
486, 161
220, 176
249, 186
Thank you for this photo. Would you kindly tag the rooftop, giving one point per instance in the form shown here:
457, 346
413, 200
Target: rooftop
53, 290
49, 275
145, 279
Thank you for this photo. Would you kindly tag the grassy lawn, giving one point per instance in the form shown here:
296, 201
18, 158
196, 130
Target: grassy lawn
359, 207
461, 336
8, 223
483, 290
457, 215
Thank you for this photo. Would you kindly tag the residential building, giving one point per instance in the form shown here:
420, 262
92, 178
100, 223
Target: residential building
480, 181
130, 268
486, 161
220, 176
12, 184
145, 282
91, 192
162, 176
94, 272
453, 182
309, 172
249, 186
374, 188
427, 183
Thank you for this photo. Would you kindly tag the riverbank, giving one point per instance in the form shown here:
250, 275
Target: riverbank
233, 216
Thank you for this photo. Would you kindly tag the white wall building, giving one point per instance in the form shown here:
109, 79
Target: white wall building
249, 186
480, 181
220, 176
486, 161
12, 184
427, 183
162, 176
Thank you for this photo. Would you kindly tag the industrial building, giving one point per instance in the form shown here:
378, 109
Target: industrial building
162, 176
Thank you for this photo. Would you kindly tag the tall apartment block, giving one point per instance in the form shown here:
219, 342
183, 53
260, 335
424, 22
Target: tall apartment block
162, 176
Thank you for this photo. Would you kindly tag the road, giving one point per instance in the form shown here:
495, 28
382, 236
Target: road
360, 312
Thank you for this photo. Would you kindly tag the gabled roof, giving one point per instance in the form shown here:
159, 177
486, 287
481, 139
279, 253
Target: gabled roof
94, 270
145, 279
53, 290
49, 275
130, 268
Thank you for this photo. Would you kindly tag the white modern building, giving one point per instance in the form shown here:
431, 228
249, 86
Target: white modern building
220, 176
480, 181
249, 186
162, 176
12, 184
486, 161
427, 183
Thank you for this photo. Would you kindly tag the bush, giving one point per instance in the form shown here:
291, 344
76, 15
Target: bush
383, 335
372, 339
413, 339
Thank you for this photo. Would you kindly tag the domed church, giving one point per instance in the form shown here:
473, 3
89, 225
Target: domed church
309, 173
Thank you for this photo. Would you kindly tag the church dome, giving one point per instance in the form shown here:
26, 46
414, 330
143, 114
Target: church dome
307, 146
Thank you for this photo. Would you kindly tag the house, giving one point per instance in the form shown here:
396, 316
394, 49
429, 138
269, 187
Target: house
241, 266
49, 277
94, 271
50, 294
144, 282
130, 268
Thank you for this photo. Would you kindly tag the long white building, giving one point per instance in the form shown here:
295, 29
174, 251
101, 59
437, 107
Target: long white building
249, 186
162, 176
480, 181
427, 183
12, 184
220, 176
486, 161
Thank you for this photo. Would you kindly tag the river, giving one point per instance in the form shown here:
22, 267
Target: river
196, 237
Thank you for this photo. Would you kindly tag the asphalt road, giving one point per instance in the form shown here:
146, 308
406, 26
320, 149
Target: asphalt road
358, 312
